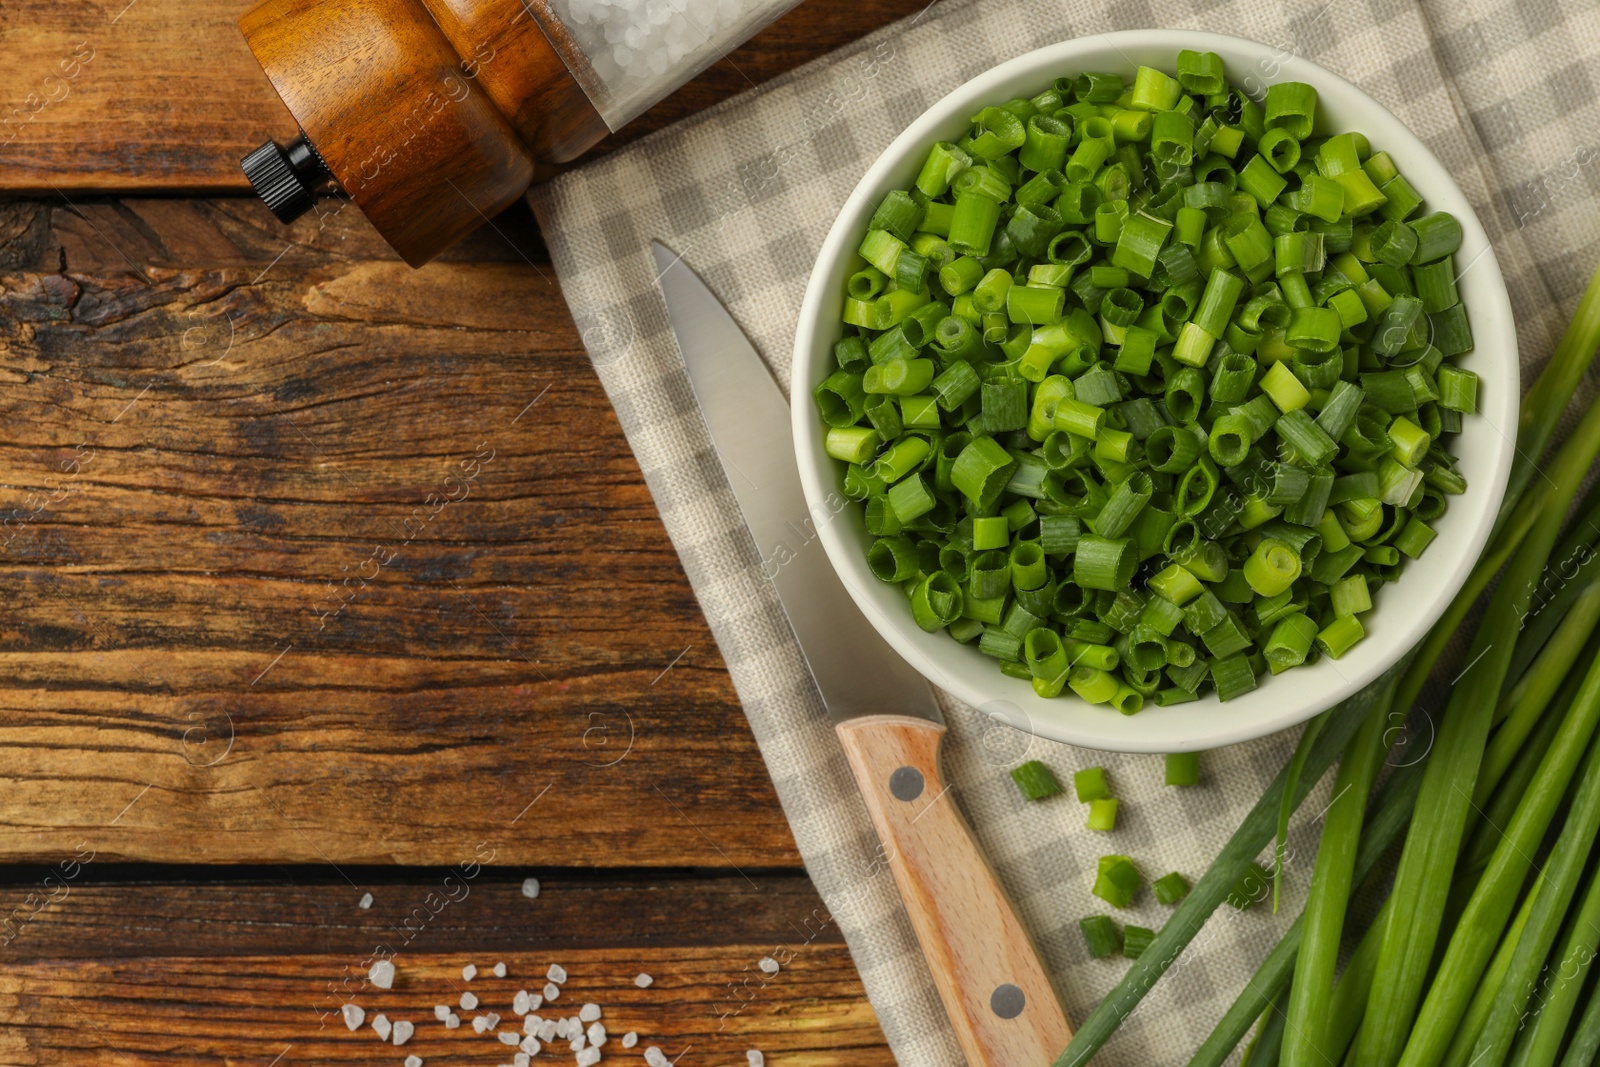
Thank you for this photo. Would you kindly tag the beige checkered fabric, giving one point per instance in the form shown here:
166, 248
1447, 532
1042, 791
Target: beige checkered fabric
1502, 91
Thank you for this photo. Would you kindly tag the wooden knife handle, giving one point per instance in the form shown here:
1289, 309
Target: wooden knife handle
1000, 1001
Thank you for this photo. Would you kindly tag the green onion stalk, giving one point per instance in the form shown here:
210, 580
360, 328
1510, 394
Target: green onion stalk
1422, 881
1492, 902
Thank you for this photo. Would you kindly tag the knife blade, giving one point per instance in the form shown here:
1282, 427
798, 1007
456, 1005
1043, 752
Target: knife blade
854, 668
1002, 1006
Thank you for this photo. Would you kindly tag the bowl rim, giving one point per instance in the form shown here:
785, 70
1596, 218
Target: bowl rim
1274, 705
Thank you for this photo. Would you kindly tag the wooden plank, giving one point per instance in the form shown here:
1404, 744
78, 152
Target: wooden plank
706, 1007
107, 94
103, 909
186, 965
311, 557
169, 98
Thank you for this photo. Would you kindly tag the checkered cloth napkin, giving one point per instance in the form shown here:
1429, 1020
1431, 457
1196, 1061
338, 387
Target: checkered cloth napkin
1502, 91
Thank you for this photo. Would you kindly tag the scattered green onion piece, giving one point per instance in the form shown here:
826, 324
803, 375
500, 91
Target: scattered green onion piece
1090, 784
1103, 814
1101, 936
1116, 881
1035, 780
1135, 939
1182, 769
1170, 888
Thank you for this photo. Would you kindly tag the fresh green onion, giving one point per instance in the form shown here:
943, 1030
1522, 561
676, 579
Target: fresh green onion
1187, 367
1101, 936
1090, 784
1135, 939
1103, 814
1331, 880
1170, 888
1116, 881
1183, 768
1035, 780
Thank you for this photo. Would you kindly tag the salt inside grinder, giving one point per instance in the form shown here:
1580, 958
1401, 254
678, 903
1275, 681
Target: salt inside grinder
434, 115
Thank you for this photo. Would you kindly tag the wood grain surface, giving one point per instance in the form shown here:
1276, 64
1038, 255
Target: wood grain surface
310, 555
189, 1010
163, 95
257, 969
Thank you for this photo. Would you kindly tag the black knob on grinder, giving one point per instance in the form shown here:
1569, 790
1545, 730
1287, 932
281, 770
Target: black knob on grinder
286, 177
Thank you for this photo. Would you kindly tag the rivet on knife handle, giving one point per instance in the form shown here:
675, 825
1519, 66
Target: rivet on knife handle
998, 996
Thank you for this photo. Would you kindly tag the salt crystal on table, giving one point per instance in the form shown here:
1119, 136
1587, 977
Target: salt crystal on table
353, 1014
453, 1022
530, 888
402, 1032
520, 1060
413, 1061
578, 1043
556, 973
469, 1001
499, 970
380, 1023
530, 1024
656, 1058
492, 1019
366, 901
755, 1058
589, 1013
551, 991
481, 1024
507, 1037
643, 981
381, 974
469, 972
530, 1045
562, 1030
596, 1033
519, 1003
588, 1057
630, 1039
547, 1031
768, 965
441, 1012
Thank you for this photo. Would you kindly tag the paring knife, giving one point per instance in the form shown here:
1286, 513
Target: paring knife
1001, 1004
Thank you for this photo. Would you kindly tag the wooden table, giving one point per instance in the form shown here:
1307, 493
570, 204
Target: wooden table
324, 576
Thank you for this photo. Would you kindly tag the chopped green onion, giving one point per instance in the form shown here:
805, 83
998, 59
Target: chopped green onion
1090, 784
1035, 780
1173, 411
1101, 936
1103, 814
1170, 888
1339, 635
1182, 769
1135, 939
1116, 881
1232, 675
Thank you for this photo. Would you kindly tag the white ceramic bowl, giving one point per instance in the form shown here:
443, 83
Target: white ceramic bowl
1402, 612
